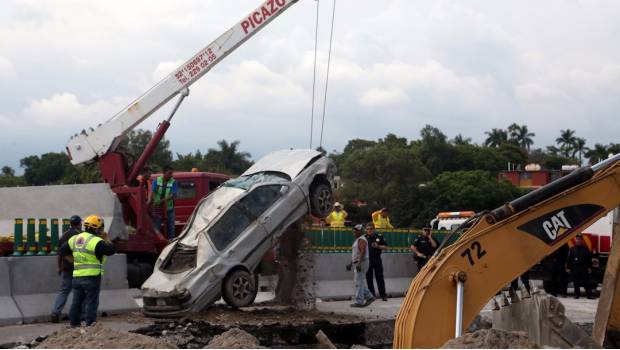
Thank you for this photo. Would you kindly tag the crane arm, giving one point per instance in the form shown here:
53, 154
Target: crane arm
497, 247
88, 146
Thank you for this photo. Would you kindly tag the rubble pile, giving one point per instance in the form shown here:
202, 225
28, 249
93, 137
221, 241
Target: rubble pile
234, 338
491, 339
101, 337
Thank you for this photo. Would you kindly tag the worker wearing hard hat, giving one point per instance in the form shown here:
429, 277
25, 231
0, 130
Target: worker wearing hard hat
65, 269
88, 250
337, 217
381, 219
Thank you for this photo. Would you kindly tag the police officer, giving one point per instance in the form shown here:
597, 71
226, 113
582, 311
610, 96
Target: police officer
423, 247
88, 250
65, 269
579, 266
377, 245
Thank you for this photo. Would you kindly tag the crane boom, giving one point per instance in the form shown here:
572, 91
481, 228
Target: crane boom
88, 146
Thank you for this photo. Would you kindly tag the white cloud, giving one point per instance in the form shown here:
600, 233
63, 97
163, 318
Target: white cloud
383, 97
7, 70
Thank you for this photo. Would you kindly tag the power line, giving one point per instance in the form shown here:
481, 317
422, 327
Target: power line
329, 58
316, 41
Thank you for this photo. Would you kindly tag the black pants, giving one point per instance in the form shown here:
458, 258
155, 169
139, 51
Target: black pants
525, 278
376, 268
580, 279
420, 262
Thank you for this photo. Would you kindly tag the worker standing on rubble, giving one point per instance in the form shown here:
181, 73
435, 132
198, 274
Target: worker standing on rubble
162, 197
337, 217
579, 266
359, 263
65, 269
377, 246
88, 250
423, 247
381, 219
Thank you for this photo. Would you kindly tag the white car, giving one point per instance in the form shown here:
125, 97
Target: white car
232, 228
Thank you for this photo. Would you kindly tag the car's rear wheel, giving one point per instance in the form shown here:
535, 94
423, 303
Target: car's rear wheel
239, 288
321, 200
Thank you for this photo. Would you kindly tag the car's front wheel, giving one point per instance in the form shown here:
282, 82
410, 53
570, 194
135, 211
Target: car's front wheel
321, 200
239, 288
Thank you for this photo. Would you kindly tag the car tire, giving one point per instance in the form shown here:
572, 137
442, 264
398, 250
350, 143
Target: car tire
239, 288
321, 200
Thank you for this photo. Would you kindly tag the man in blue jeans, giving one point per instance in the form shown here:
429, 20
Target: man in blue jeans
65, 269
88, 250
162, 196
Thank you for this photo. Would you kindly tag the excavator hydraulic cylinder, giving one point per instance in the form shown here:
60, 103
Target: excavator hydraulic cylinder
42, 244
54, 236
18, 236
31, 244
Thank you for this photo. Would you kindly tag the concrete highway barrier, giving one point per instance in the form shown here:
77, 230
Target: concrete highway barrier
333, 281
9, 313
34, 282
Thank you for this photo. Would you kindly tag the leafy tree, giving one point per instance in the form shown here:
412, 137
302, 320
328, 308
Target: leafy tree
579, 148
460, 140
521, 136
227, 159
8, 178
135, 143
8, 171
464, 190
80, 174
45, 170
566, 141
496, 137
189, 161
597, 153
386, 175
434, 150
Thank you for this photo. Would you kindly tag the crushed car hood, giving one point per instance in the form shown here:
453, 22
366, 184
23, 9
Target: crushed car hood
290, 162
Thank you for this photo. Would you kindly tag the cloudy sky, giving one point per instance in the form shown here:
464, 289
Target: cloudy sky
462, 66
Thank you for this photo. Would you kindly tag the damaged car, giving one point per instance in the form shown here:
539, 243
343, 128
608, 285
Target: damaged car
230, 230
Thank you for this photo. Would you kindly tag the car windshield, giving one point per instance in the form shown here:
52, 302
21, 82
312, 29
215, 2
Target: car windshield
206, 211
246, 182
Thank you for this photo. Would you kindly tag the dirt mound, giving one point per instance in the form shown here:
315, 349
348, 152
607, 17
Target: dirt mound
234, 338
100, 337
491, 339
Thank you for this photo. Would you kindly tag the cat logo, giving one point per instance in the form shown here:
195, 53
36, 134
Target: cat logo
557, 225
552, 227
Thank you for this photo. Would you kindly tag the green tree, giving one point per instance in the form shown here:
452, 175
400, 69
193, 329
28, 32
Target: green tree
464, 190
227, 159
579, 148
434, 150
81, 174
48, 169
460, 140
135, 143
186, 162
597, 153
496, 137
386, 175
566, 141
8, 171
8, 178
521, 136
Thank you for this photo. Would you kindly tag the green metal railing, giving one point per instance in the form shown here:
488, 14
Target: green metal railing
330, 240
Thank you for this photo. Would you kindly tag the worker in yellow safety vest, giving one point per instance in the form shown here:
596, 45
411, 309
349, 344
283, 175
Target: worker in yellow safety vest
337, 217
88, 251
381, 219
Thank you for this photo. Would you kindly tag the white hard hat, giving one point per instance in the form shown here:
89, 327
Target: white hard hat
337, 204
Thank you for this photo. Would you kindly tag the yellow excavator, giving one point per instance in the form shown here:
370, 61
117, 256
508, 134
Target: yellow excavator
497, 246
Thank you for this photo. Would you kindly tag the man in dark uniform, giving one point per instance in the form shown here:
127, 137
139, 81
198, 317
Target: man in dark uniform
579, 266
377, 245
65, 269
423, 247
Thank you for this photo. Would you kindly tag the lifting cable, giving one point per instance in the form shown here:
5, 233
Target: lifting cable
329, 58
316, 41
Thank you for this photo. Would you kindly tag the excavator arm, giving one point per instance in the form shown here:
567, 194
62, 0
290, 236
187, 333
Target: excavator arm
496, 247
89, 146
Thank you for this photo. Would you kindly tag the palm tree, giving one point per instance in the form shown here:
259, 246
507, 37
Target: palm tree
566, 141
579, 148
496, 137
228, 158
521, 136
461, 140
596, 154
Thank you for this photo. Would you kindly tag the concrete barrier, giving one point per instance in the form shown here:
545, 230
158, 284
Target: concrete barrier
35, 282
333, 281
9, 313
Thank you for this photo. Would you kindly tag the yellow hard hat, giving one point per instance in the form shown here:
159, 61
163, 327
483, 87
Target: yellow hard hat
94, 222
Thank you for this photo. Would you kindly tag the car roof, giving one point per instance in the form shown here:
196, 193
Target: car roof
290, 162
